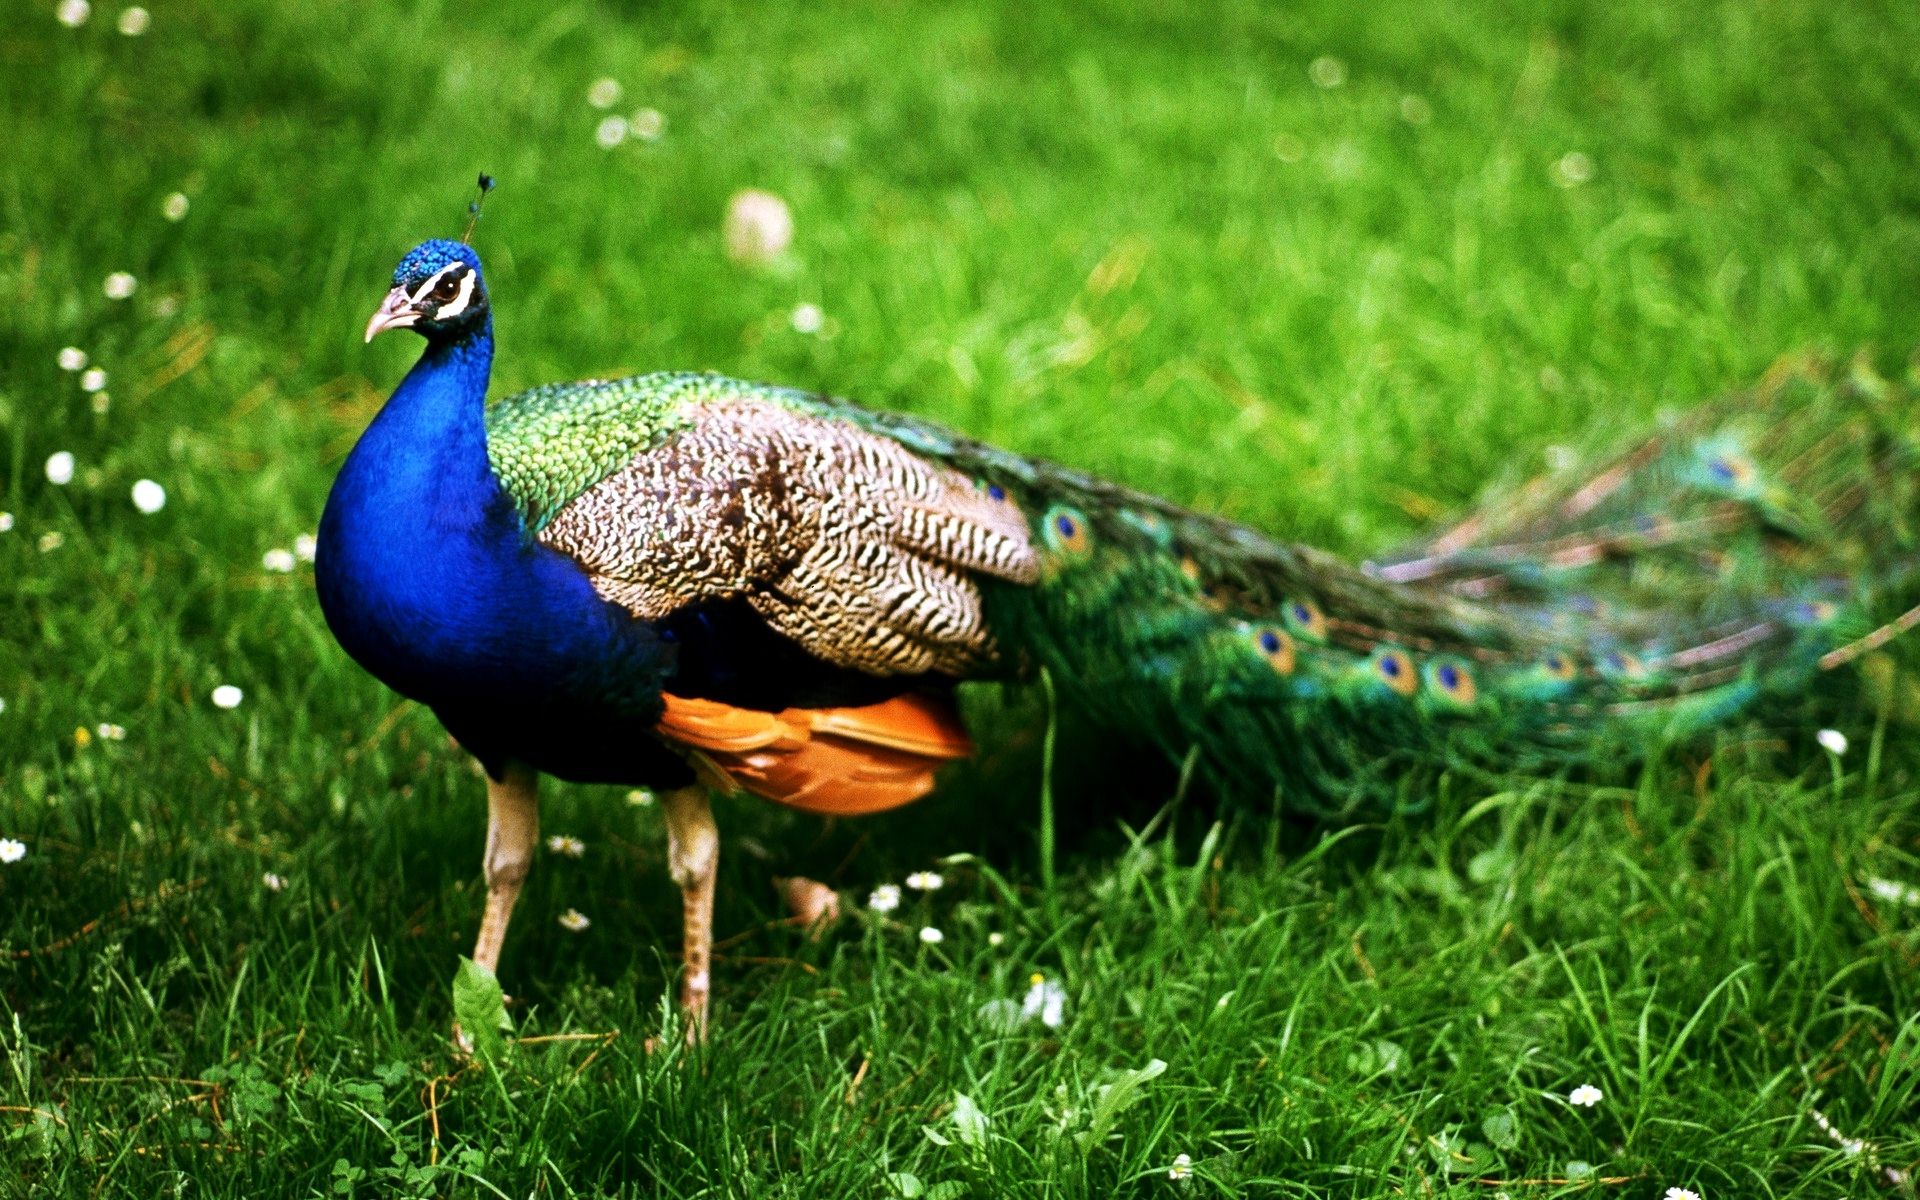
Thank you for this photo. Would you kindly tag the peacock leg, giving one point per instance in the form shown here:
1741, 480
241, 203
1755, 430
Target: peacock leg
693, 856
513, 825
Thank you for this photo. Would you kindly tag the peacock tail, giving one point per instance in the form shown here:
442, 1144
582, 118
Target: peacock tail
1738, 554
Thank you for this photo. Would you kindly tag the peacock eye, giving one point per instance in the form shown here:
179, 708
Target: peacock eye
447, 288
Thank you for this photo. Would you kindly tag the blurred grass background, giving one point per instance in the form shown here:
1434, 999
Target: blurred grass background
1328, 268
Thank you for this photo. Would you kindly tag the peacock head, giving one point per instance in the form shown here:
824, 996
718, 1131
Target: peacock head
437, 293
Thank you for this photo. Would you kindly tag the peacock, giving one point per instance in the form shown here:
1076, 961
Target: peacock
694, 584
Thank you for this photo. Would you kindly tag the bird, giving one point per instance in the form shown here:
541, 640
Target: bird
699, 585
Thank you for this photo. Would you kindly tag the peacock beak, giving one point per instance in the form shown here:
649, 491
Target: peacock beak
396, 312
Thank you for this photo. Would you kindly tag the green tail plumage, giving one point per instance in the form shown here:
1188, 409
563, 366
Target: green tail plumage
1738, 555
1728, 559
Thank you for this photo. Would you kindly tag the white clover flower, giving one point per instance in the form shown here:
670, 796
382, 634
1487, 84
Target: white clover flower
1045, 1000
932, 936
106, 731
1680, 1193
1584, 1096
119, 285
605, 93
1182, 1167
885, 898
6, 522
72, 358
759, 226
648, 124
1327, 72
925, 881
571, 847
134, 21
610, 132
272, 882
60, 468
305, 546
1572, 169
1832, 741
278, 560
12, 850
1893, 891
996, 939
93, 379
52, 540
174, 207
148, 496
227, 696
574, 921
807, 318
639, 798
73, 13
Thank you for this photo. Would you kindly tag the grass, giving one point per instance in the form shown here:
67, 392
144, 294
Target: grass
1139, 238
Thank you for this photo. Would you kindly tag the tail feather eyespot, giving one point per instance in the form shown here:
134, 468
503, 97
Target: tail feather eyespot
1065, 532
1304, 619
1452, 681
1276, 646
1394, 668
1557, 665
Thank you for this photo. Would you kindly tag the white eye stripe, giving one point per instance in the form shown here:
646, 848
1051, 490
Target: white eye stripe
458, 304
421, 292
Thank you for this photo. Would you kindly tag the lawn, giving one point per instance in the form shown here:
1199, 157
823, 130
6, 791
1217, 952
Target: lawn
1330, 269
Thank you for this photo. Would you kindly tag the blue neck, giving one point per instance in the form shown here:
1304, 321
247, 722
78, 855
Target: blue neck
428, 576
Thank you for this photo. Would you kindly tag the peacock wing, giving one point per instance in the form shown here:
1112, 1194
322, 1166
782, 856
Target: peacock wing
846, 541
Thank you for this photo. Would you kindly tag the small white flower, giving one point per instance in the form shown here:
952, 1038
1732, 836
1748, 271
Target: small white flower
605, 93
73, 358
109, 732
571, 847
227, 696
60, 468
148, 496
278, 560
925, 881
1832, 740
93, 379
807, 318
12, 850
996, 939
174, 207
1045, 1000
119, 285
610, 132
6, 522
305, 546
1572, 169
574, 921
1680, 1193
1327, 72
648, 124
759, 226
932, 936
1182, 1167
885, 898
134, 21
1893, 891
272, 882
52, 540
73, 13
639, 798
1584, 1096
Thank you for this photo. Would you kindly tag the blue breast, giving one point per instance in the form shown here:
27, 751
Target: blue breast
428, 578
